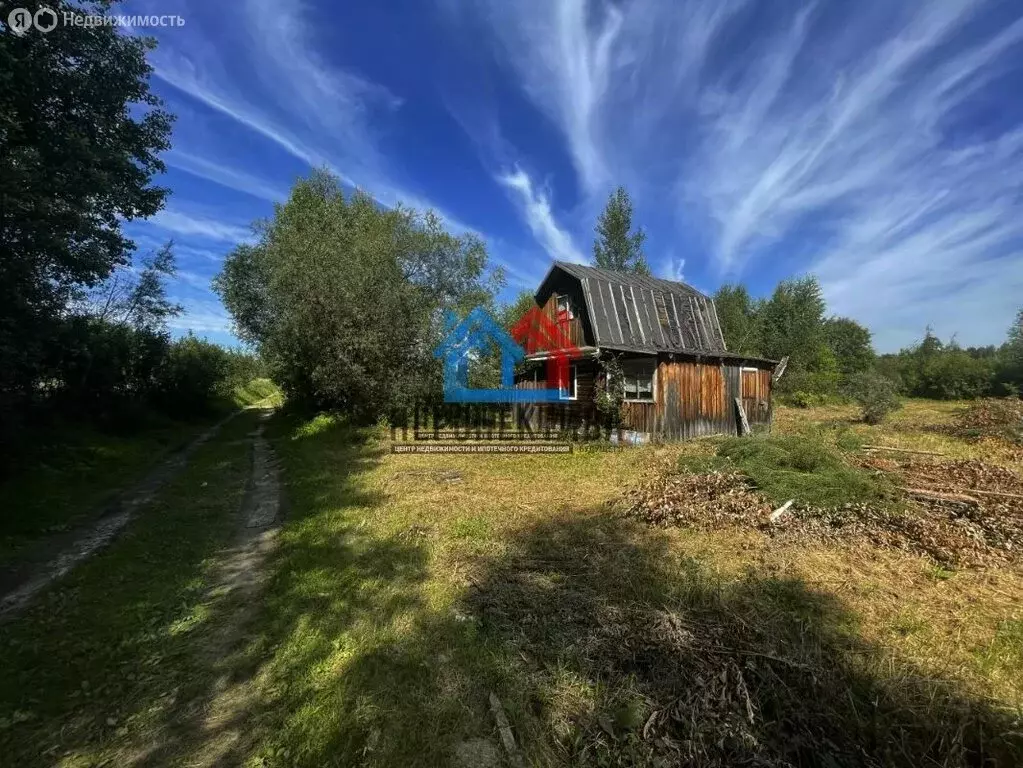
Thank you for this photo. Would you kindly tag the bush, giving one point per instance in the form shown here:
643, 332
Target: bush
876, 395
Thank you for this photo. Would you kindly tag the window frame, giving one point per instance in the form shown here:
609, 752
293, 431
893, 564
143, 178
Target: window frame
570, 314
626, 375
573, 373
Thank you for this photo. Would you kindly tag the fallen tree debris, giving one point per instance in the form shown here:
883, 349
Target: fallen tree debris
959, 513
900, 450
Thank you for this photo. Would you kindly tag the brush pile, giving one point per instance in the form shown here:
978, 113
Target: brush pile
991, 417
959, 513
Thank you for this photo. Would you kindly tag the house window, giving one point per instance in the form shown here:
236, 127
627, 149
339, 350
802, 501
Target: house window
639, 379
570, 389
565, 306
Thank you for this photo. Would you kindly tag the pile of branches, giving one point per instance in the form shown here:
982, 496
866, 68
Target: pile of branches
960, 513
991, 417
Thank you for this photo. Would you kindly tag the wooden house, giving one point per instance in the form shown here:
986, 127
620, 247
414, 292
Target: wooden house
680, 381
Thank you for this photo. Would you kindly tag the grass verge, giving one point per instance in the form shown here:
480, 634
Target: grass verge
103, 657
65, 478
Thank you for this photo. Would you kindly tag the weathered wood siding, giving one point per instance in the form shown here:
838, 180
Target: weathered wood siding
541, 416
577, 329
698, 398
692, 398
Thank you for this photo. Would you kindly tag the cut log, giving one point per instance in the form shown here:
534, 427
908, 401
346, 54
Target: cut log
744, 428
900, 450
781, 511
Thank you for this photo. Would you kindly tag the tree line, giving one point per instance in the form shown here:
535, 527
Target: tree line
83, 327
829, 355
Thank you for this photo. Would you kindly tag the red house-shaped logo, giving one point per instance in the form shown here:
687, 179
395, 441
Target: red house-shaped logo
538, 334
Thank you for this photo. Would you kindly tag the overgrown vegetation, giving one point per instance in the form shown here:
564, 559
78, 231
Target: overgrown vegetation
84, 338
80, 93
800, 467
827, 355
345, 300
876, 395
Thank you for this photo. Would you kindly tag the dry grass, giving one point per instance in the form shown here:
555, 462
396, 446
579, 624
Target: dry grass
409, 587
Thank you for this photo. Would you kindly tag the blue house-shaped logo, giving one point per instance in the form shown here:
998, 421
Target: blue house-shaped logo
475, 333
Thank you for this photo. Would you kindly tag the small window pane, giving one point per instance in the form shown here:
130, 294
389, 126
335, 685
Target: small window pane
645, 388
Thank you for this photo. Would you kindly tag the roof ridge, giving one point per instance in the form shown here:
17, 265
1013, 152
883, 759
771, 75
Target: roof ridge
627, 277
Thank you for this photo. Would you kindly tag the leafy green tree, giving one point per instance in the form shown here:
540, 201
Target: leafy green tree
345, 300
1010, 359
850, 343
513, 312
740, 323
792, 325
876, 395
617, 247
80, 133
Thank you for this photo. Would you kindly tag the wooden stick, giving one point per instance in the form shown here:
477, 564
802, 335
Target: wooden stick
504, 727
900, 450
781, 511
927, 493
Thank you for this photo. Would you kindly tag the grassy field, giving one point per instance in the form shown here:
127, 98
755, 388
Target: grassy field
405, 590
69, 472
410, 587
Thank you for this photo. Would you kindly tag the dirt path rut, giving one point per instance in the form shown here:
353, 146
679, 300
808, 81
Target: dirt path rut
63, 553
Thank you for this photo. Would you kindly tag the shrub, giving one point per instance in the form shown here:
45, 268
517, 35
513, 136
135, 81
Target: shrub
876, 395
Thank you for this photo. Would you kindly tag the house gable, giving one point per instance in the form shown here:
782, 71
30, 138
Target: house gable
636, 313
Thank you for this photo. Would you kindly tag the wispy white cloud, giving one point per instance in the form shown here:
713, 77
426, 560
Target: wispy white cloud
536, 210
224, 175
197, 225
827, 138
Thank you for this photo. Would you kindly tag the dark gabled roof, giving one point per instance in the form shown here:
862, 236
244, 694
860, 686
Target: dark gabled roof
637, 313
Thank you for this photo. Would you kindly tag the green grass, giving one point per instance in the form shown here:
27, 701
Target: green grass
102, 658
801, 467
399, 602
258, 392
69, 473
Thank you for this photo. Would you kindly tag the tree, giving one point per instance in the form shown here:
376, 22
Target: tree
850, 343
738, 314
876, 395
345, 300
80, 133
792, 325
512, 313
138, 301
617, 247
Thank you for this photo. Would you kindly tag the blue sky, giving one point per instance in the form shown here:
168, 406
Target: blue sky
878, 145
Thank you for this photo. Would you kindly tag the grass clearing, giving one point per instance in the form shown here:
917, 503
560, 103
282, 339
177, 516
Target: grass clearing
407, 588
804, 468
99, 664
402, 599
